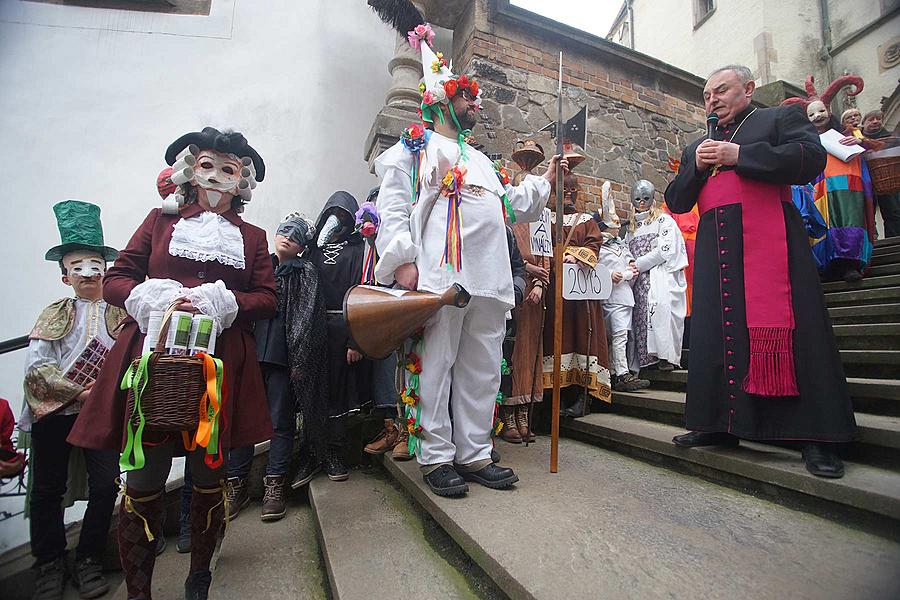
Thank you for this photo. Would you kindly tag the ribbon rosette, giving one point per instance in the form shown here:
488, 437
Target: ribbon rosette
413, 363
413, 137
453, 180
420, 33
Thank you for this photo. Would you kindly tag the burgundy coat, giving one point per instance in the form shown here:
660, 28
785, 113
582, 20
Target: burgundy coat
100, 424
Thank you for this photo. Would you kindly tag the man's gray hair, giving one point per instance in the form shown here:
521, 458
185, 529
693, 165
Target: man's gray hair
743, 72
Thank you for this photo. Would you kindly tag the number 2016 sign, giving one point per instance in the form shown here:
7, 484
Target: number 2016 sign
583, 283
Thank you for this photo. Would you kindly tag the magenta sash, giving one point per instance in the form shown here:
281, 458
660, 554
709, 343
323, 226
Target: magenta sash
767, 285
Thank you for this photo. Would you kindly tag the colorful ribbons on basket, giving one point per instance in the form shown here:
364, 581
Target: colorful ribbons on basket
210, 406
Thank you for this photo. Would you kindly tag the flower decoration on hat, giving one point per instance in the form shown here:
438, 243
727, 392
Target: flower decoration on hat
420, 33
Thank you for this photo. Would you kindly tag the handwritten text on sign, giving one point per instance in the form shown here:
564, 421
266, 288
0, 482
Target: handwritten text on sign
583, 283
540, 235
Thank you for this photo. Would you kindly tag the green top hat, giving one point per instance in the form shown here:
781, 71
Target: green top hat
79, 229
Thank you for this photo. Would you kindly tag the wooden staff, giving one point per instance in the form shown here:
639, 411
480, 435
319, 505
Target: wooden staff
557, 289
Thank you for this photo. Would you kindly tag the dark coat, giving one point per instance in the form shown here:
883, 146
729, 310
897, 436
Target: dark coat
778, 145
100, 423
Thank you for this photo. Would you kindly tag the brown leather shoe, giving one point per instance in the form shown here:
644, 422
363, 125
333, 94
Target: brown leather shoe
401, 448
274, 505
237, 496
385, 440
510, 431
522, 423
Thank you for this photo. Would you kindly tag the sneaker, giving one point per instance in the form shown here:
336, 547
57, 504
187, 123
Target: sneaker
334, 465
629, 383
273, 503
89, 579
445, 481
308, 468
50, 580
183, 543
401, 448
196, 587
237, 496
385, 440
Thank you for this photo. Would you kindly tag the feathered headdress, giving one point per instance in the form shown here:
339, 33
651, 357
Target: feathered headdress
829, 93
438, 84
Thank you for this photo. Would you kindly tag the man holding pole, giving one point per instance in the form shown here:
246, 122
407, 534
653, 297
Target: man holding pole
442, 206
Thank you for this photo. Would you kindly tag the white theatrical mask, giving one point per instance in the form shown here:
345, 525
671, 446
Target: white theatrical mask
84, 264
817, 113
218, 174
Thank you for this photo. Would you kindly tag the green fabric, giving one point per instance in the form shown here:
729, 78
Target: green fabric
136, 379
846, 208
79, 229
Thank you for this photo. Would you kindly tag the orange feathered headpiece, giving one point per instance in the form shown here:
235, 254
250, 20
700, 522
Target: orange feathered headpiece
830, 91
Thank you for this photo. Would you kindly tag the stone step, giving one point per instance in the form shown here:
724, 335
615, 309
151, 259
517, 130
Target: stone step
609, 526
375, 542
769, 469
872, 313
881, 270
874, 430
855, 297
888, 241
889, 255
270, 561
867, 283
868, 336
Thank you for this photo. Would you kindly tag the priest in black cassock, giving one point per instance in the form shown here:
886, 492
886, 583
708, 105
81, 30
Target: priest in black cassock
763, 360
338, 255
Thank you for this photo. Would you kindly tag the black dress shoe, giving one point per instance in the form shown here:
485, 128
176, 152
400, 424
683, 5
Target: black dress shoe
693, 439
822, 461
445, 481
492, 476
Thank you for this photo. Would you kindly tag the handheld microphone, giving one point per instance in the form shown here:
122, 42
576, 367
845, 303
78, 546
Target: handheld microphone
712, 120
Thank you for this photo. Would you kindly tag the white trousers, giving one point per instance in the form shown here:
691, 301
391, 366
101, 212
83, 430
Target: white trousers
462, 351
618, 324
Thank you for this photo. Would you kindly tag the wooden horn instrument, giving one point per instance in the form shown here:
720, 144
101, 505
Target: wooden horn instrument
380, 319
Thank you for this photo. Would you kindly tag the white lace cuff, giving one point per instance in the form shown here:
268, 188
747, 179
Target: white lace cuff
153, 294
217, 301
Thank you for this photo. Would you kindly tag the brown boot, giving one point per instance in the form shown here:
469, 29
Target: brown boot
274, 505
207, 519
238, 496
401, 448
385, 440
510, 431
522, 423
140, 522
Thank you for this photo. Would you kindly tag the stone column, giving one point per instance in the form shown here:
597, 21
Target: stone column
400, 104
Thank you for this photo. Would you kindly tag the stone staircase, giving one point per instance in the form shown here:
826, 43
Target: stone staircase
866, 320
628, 515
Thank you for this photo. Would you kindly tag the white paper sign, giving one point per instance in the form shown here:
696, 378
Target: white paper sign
831, 141
541, 245
583, 283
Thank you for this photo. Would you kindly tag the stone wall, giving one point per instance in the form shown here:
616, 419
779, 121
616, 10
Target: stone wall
641, 112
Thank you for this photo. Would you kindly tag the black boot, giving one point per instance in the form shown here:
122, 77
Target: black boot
694, 439
183, 543
309, 466
445, 481
334, 465
492, 476
822, 461
196, 586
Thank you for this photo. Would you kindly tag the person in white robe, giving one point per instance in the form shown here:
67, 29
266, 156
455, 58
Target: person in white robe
660, 289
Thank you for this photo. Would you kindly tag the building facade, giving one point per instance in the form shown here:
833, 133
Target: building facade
780, 40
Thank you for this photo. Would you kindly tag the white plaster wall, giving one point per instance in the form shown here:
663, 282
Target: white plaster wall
861, 59
89, 103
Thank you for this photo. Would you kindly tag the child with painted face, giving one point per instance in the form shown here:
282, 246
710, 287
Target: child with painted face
67, 348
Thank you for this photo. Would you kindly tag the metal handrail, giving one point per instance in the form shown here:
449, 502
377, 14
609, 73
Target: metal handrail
14, 344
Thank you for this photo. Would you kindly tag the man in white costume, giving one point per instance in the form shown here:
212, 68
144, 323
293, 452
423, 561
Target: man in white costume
443, 209
660, 289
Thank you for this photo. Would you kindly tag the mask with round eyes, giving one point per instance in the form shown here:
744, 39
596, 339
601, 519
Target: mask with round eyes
643, 192
817, 113
218, 174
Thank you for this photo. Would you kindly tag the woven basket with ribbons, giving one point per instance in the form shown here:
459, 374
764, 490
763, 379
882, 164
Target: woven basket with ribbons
173, 394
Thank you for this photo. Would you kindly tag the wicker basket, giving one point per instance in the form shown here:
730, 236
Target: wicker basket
884, 167
171, 399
